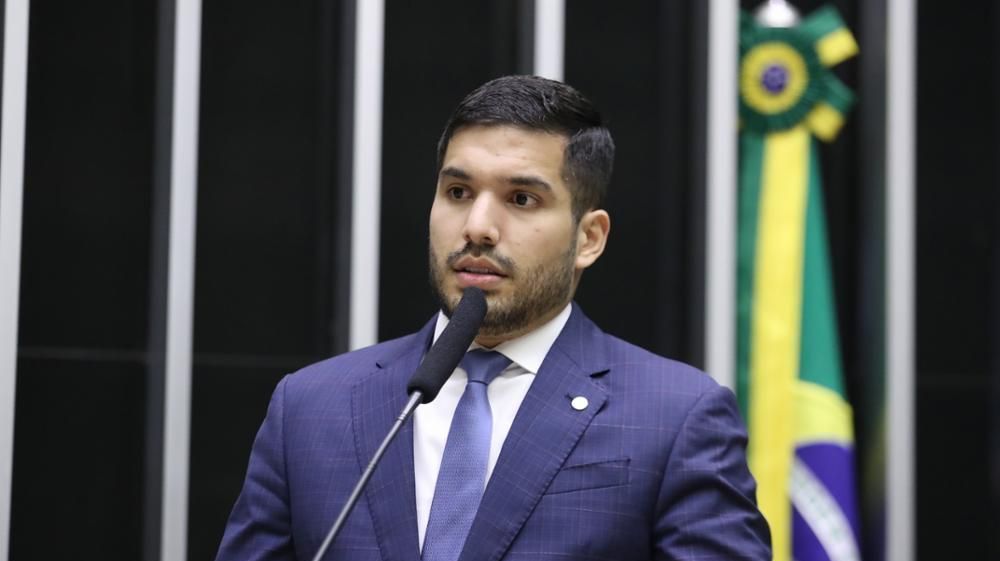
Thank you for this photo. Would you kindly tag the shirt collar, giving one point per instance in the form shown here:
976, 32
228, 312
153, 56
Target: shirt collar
528, 350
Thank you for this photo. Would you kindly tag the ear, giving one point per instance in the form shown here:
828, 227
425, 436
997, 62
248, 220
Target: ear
591, 237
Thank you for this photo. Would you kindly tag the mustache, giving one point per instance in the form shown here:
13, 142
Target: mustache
480, 250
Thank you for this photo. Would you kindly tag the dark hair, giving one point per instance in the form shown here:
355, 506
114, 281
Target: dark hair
545, 105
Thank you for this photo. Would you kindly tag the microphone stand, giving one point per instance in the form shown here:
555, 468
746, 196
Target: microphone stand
411, 405
439, 362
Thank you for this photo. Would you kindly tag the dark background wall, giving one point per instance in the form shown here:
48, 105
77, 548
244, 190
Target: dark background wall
273, 226
80, 402
957, 235
273, 221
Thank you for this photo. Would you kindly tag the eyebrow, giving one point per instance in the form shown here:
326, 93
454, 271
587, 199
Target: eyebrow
529, 181
457, 173
520, 180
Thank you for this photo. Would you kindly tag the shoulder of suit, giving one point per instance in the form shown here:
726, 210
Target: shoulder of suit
627, 364
634, 361
346, 368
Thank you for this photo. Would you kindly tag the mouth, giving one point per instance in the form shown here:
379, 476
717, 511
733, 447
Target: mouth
477, 272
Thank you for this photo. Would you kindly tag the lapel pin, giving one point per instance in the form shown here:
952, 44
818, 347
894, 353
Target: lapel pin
579, 403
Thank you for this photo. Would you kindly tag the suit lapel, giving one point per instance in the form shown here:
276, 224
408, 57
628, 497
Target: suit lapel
376, 402
545, 431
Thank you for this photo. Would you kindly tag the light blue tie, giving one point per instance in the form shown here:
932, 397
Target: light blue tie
462, 478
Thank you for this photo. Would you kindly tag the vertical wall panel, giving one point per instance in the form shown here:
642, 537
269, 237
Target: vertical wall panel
78, 452
268, 265
993, 527
956, 180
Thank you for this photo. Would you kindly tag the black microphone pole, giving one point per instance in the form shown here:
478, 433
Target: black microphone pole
415, 398
437, 366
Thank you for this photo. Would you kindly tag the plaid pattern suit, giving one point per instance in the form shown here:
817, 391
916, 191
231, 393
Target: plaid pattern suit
653, 468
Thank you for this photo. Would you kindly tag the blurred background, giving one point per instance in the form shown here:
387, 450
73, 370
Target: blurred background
135, 400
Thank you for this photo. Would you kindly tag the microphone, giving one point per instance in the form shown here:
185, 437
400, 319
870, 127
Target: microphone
438, 364
450, 347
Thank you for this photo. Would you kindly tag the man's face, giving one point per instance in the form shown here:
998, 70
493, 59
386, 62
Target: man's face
502, 221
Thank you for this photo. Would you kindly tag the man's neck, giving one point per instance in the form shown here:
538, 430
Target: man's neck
490, 341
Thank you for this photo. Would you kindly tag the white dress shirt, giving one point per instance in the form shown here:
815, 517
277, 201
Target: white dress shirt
431, 422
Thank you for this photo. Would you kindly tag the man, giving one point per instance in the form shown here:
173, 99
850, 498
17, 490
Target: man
594, 448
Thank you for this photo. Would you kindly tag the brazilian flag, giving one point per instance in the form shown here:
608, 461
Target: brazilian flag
789, 373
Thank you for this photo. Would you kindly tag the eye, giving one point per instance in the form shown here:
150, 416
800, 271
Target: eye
524, 200
457, 192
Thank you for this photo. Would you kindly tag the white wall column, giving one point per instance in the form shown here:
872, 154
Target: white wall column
180, 280
900, 290
550, 39
15, 87
366, 192
720, 191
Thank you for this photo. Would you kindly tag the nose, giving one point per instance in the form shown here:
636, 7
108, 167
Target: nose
481, 224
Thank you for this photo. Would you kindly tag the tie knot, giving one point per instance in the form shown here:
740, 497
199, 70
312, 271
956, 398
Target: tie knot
482, 365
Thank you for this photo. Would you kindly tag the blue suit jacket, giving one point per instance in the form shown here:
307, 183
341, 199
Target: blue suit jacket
653, 468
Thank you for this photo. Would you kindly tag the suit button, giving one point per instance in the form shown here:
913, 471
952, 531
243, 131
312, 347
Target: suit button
579, 403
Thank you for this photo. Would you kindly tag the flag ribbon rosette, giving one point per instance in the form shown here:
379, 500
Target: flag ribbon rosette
789, 374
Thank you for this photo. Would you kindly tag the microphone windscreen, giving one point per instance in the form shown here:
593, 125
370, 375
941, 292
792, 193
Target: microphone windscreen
445, 354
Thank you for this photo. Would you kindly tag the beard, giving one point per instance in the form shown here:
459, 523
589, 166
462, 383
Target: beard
536, 291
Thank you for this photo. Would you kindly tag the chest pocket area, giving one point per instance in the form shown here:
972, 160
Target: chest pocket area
594, 475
